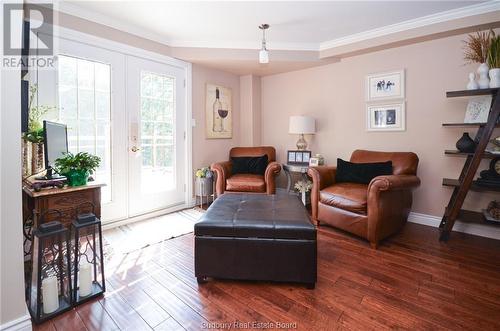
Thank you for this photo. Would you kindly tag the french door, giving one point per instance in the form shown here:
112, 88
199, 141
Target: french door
91, 98
156, 106
131, 112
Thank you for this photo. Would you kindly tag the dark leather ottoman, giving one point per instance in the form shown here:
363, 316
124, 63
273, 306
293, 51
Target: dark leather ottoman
256, 237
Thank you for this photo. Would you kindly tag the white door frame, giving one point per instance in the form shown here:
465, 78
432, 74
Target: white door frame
73, 35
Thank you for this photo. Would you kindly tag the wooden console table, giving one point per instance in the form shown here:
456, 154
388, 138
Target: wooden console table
65, 200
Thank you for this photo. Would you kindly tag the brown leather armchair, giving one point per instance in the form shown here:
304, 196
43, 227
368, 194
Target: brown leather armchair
228, 182
373, 211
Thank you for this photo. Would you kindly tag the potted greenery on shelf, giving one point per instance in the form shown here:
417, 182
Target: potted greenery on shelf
77, 167
476, 49
494, 62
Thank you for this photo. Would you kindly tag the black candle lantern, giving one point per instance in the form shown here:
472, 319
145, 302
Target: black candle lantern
88, 277
50, 288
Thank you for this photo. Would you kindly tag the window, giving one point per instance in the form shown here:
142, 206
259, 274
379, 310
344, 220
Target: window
157, 131
85, 107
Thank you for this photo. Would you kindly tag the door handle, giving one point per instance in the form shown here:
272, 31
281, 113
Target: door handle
135, 149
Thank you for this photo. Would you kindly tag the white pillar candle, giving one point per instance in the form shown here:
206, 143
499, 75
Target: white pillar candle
50, 295
85, 277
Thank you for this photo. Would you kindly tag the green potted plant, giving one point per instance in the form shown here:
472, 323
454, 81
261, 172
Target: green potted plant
77, 167
494, 62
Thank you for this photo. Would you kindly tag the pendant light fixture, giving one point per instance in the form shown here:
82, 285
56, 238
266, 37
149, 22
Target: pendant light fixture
264, 53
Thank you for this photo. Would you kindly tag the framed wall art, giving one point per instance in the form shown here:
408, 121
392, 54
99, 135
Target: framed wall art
386, 117
478, 110
384, 86
218, 112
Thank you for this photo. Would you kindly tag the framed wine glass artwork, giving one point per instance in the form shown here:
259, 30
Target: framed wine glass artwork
218, 112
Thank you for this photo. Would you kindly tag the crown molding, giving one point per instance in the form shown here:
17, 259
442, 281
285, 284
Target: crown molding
478, 9
449, 15
283, 46
77, 11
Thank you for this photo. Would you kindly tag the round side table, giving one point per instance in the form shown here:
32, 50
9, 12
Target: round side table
289, 168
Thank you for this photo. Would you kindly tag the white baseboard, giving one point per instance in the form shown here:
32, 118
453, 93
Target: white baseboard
22, 323
470, 228
143, 217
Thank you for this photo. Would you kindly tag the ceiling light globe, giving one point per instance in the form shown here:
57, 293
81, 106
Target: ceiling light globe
263, 56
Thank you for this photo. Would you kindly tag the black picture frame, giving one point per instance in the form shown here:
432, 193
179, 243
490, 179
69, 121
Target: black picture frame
298, 157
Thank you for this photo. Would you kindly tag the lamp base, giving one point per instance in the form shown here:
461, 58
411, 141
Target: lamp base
301, 143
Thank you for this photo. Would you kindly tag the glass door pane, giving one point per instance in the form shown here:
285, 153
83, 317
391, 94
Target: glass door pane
85, 107
157, 132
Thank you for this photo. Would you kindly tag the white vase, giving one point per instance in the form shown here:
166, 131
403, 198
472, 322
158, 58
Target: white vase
494, 77
483, 80
472, 85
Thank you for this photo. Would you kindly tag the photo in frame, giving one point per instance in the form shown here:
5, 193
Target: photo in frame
384, 86
478, 110
218, 112
314, 162
386, 117
298, 157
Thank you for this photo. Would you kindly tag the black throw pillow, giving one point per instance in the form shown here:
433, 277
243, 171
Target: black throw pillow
362, 173
249, 164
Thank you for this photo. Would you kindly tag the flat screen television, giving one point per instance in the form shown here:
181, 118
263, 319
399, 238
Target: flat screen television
55, 146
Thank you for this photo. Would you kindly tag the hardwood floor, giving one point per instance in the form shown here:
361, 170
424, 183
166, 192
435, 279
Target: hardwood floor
411, 282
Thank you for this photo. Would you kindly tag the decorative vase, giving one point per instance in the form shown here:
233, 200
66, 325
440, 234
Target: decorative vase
304, 198
25, 147
494, 77
466, 144
472, 85
483, 80
77, 177
37, 163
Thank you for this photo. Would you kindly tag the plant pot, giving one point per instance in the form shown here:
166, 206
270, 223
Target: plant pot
483, 80
26, 147
37, 161
466, 144
204, 186
77, 177
494, 77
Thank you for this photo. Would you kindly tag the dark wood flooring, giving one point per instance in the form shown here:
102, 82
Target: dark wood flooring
411, 282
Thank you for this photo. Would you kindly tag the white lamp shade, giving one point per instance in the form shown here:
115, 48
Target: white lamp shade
264, 56
302, 125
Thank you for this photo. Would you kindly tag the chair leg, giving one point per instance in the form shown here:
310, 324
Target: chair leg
374, 245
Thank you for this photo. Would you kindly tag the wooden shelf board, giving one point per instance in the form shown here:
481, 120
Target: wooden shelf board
474, 186
469, 216
485, 155
466, 125
471, 93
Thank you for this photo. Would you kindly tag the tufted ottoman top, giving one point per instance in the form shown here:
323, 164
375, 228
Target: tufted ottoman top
280, 216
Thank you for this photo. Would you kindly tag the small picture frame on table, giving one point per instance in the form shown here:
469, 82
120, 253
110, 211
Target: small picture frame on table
298, 157
314, 162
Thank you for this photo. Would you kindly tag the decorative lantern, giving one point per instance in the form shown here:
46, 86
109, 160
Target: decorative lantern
88, 277
50, 288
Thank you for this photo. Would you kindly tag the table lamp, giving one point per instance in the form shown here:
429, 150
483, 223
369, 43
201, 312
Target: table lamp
302, 125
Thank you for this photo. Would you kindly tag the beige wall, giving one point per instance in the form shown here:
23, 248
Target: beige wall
207, 151
250, 91
334, 94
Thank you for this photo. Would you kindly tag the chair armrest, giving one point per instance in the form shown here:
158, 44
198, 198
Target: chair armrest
394, 182
322, 176
273, 169
223, 172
